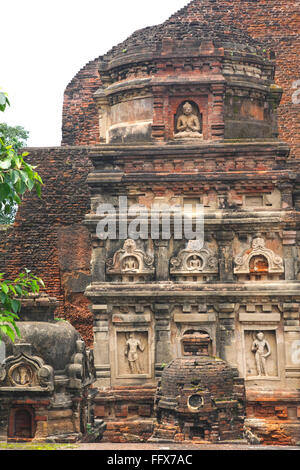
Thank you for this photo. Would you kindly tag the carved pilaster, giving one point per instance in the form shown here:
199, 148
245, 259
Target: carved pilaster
290, 254
98, 260
158, 127
163, 352
225, 255
217, 126
227, 333
162, 260
101, 345
291, 314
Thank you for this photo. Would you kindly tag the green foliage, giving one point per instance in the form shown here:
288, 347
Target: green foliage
10, 293
15, 136
16, 175
16, 178
35, 446
3, 101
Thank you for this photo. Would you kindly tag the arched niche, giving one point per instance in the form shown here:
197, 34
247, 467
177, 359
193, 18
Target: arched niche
188, 121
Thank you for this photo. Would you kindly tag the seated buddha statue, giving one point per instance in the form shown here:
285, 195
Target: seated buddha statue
188, 124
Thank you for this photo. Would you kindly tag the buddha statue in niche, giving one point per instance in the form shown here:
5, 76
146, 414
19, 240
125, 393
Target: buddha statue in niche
188, 124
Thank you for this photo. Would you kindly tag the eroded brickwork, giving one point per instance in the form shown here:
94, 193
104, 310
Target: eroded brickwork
249, 189
48, 236
275, 24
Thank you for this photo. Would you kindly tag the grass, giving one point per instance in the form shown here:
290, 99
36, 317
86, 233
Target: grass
35, 446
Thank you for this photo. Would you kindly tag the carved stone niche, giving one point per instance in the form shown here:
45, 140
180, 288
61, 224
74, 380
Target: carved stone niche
258, 263
132, 354
188, 122
26, 372
193, 264
130, 263
261, 358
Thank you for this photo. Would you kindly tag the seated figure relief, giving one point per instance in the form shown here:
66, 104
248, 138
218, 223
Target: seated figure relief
130, 259
188, 124
130, 263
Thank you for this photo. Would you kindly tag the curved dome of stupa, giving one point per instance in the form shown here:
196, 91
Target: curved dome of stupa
200, 20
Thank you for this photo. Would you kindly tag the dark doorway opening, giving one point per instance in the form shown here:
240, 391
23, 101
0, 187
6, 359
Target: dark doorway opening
21, 424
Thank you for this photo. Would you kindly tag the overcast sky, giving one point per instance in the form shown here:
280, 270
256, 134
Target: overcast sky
44, 43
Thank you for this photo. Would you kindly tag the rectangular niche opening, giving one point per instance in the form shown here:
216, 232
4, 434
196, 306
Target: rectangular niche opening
257, 366
132, 355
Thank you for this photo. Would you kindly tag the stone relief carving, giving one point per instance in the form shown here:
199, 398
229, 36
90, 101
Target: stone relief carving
81, 369
21, 374
132, 353
262, 350
24, 371
130, 260
133, 345
188, 124
265, 260
194, 260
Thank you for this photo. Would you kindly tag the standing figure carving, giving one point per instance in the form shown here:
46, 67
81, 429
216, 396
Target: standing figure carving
133, 345
262, 350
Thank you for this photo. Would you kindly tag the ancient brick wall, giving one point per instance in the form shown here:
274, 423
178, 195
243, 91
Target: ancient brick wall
275, 24
80, 117
48, 236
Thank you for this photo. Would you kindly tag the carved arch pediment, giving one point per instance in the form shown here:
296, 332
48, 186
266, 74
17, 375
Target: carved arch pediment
130, 260
193, 260
274, 262
26, 372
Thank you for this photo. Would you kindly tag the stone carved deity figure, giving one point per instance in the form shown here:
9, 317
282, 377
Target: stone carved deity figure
188, 124
262, 350
22, 375
131, 352
130, 263
195, 262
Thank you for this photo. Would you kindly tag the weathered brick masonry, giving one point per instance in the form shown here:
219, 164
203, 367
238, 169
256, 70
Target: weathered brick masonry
247, 180
48, 236
276, 24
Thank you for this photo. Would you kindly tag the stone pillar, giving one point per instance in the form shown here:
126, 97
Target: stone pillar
158, 126
104, 114
162, 260
225, 255
227, 349
163, 352
101, 346
290, 254
292, 343
98, 260
217, 119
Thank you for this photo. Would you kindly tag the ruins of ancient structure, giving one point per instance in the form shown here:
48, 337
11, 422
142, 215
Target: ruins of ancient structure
195, 111
46, 378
